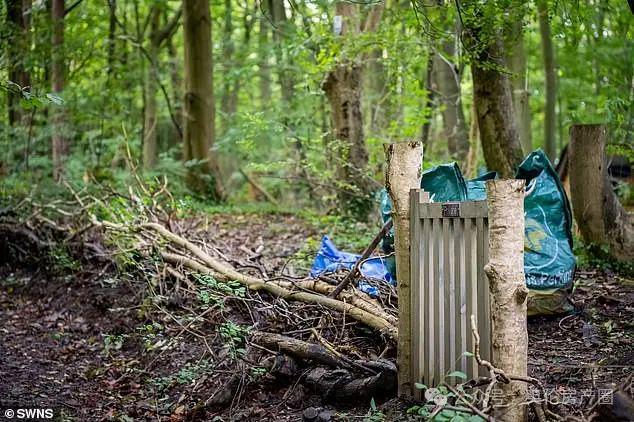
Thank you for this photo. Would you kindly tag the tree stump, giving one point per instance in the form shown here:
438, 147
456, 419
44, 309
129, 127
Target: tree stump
403, 173
508, 290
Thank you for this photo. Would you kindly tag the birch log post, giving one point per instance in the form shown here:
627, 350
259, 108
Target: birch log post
600, 217
402, 173
505, 271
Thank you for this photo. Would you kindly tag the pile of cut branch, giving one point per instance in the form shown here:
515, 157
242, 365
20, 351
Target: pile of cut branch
326, 323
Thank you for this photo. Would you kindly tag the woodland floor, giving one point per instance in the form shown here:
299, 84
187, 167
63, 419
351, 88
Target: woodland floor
78, 342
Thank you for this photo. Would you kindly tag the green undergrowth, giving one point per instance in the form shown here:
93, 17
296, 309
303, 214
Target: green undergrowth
598, 256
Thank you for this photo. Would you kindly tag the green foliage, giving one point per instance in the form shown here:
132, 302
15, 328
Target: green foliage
112, 342
287, 141
186, 375
213, 292
152, 336
234, 337
374, 414
62, 259
598, 256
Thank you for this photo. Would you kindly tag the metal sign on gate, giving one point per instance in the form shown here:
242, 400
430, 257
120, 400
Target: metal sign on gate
449, 248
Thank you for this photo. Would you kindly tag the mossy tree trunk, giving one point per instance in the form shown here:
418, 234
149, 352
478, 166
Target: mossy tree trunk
519, 83
343, 86
492, 92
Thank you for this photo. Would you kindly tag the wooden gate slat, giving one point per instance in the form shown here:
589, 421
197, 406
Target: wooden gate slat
448, 286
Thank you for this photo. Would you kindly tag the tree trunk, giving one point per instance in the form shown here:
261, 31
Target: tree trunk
343, 88
199, 99
263, 64
177, 92
112, 33
508, 290
474, 150
519, 84
375, 105
494, 106
229, 97
58, 70
600, 217
285, 78
448, 87
18, 46
429, 102
550, 114
150, 137
403, 173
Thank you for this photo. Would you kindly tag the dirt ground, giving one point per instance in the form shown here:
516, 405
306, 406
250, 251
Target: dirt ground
87, 343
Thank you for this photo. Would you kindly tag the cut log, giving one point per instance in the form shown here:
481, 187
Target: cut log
505, 271
601, 219
298, 348
403, 173
339, 384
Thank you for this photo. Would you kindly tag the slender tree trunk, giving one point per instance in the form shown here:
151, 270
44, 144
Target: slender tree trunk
343, 89
507, 285
19, 23
177, 91
429, 103
375, 104
448, 87
403, 173
494, 106
263, 61
58, 71
474, 140
282, 26
199, 99
285, 77
150, 137
600, 217
550, 114
228, 102
519, 84
112, 33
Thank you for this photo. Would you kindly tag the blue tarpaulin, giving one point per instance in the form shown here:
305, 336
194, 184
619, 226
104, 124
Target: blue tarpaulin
330, 259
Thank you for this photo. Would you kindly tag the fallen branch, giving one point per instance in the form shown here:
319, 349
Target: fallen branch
224, 271
298, 348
